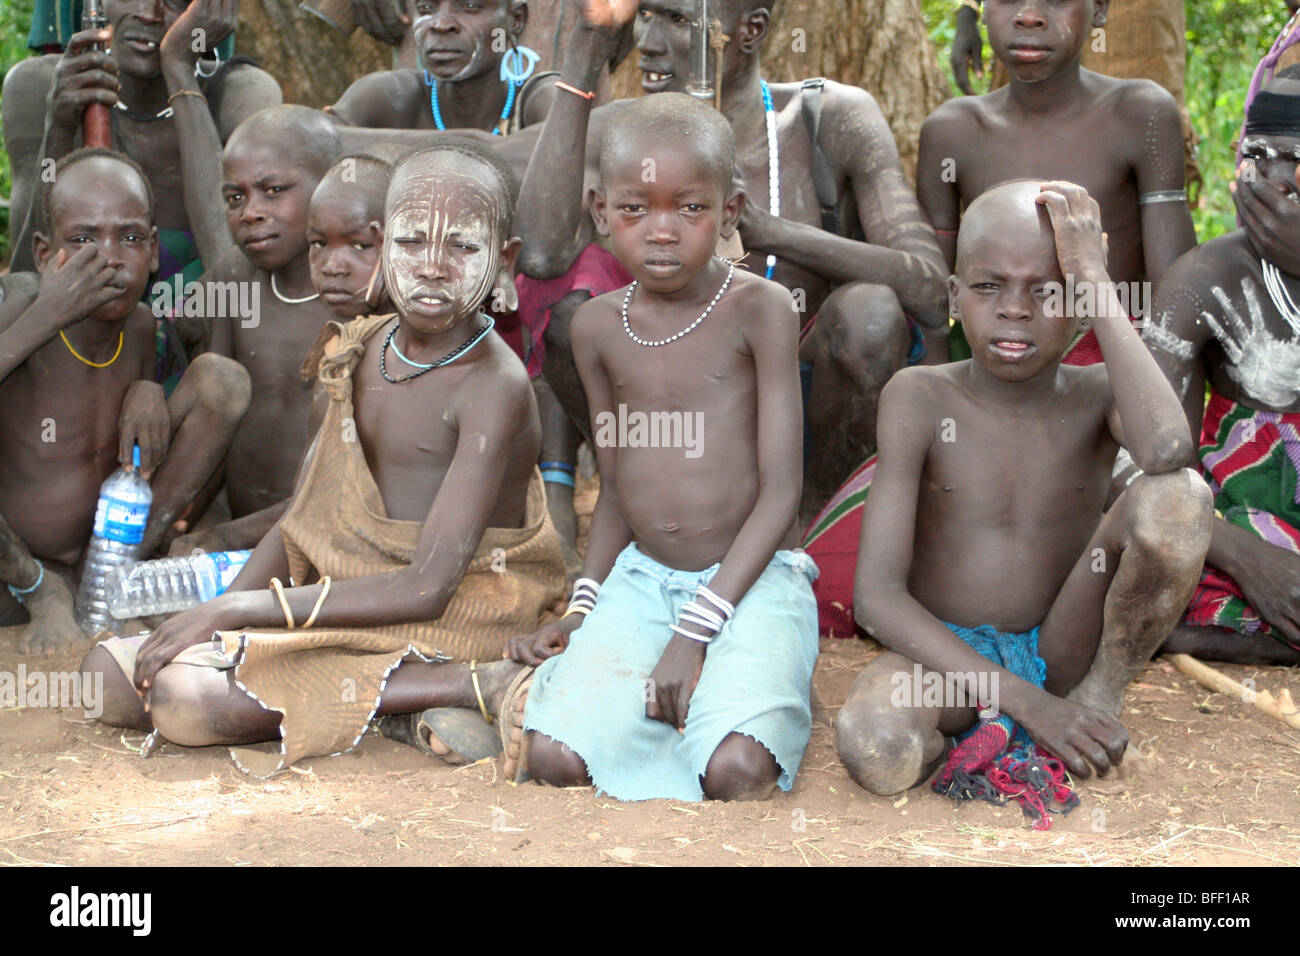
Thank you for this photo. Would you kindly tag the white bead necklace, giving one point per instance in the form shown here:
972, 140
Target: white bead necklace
627, 300
1282, 300
306, 298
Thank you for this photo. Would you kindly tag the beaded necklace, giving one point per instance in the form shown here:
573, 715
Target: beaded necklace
457, 352
773, 165
512, 89
627, 300
1277, 291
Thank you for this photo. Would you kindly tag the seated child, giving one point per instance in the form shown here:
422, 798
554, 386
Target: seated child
344, 264
255, 237
984, 538
1226, 316
77, 390
1120, 139
686, 532
416, 541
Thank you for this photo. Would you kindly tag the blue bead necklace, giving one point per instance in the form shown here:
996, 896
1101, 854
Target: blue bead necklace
512, 90
773, 165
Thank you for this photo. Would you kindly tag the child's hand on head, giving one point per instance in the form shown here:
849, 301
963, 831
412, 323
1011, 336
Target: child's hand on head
608, 14
74, 287
1076, 222
197, 31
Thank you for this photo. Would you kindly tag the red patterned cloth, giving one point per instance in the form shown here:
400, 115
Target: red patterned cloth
595, 271
1252, 462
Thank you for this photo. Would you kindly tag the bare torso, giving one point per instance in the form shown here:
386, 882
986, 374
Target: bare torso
410, 432
1009, 497
684, 504
272, 436
59, 439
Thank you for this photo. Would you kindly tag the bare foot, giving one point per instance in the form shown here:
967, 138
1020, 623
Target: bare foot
1092, 693
499, 680
53, 628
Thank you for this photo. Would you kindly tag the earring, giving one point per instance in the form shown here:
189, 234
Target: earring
375, 287
518, 64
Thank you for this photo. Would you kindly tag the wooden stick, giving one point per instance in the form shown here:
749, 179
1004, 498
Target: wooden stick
1282, 707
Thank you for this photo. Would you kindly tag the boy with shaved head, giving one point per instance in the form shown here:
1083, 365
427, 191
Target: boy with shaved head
76, 390
986, 559
249, 206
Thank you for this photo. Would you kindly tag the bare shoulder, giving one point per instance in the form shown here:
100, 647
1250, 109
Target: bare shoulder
18, 290
17, 286
498, 389
31, 77
376, 96
1138, 100
759, 302
957, 114
597, 312
912, 393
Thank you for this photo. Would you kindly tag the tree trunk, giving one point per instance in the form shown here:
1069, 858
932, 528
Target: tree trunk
313, 61
880, 45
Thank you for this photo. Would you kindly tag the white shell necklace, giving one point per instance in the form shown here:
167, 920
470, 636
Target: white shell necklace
627, 300
287, 301
1282, 300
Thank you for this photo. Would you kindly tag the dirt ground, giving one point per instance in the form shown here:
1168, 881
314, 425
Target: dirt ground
1220, 785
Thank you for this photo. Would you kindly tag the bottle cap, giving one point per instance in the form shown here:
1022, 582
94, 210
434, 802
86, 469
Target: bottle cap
135, 456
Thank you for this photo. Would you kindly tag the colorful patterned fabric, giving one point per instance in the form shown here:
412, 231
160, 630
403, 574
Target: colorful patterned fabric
595, 271
1252, 462
997, 758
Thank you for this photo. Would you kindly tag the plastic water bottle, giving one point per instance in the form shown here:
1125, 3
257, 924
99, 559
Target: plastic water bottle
172, 584
120, 519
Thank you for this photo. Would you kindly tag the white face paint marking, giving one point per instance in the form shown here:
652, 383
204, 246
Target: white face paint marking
1265, 367
441, 249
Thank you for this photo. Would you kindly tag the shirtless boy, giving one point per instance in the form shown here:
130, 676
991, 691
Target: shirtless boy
44, 98
77, 390
459, 83
250, 216
391, 532
986, 511
1121, 140
702, 625
1226, 315
343, 258
859, 292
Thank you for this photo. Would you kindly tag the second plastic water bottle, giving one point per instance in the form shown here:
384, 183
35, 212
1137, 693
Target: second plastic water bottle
172, 584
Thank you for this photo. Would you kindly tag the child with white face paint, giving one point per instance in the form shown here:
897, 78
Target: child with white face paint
418, 521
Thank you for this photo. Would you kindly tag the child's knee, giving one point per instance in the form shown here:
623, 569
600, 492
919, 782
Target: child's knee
119, 704
740, 769
552, 762
866, 324
1170, 515
883, 749
180, 709
222, 384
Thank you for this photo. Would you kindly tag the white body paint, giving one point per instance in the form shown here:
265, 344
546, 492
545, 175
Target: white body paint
1265, 367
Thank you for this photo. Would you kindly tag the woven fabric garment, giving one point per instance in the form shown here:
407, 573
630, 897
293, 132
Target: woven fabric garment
327, 682
1252, 461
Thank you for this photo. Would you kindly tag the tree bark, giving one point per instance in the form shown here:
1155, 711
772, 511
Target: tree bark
880, 45
313, 61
